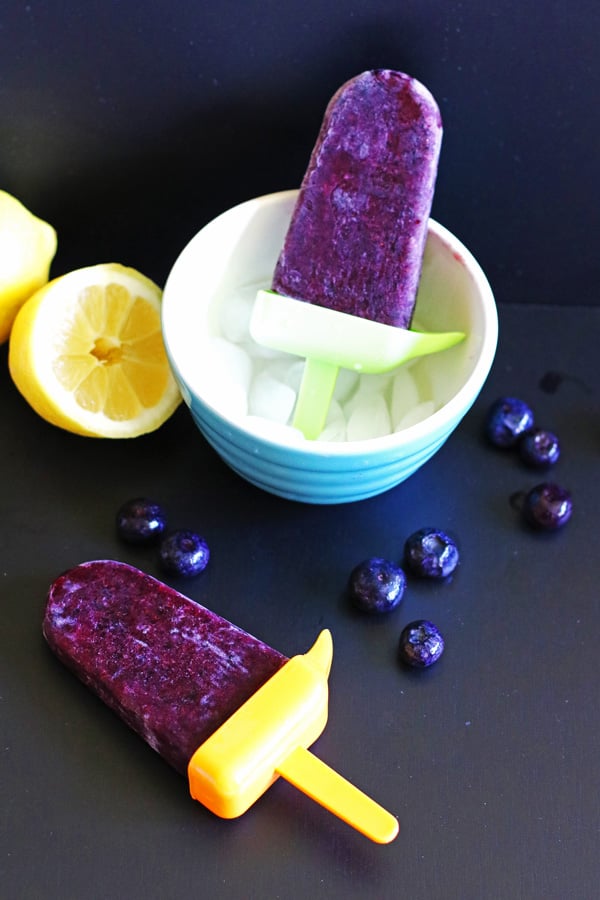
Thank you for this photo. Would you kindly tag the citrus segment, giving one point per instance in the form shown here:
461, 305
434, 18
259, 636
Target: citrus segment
27, 247
87, 353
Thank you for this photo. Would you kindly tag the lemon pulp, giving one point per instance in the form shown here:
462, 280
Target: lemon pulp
87, 353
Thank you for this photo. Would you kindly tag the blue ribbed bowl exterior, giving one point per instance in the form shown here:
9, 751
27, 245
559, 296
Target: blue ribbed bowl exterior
312, 471
314, 478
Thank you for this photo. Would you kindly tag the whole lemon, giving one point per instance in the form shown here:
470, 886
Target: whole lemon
27, 248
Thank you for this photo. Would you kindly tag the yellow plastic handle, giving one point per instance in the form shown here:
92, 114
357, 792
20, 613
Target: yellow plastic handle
324, 785
236, 764
268, 736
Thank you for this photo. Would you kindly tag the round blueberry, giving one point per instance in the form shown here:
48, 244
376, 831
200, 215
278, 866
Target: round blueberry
507, 420
430, 553
184, 553
421, 644
539, 448
140, 521
547, 506
376, 585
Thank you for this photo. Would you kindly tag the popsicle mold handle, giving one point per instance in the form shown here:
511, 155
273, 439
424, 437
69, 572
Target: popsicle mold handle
268, 737
324, 785
314, 397
329, 340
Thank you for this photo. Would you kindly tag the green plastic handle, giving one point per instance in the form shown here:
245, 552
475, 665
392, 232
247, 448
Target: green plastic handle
330, 340
314, 397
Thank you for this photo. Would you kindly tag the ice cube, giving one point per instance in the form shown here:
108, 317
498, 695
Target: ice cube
335, 425
442, 372
345, 385
271, 398
374, 383
370, 418
405, 395
368, 387
420, 375
260, 351
221, 360
294, 373
222, 374
235, 311
416, 414
288, 369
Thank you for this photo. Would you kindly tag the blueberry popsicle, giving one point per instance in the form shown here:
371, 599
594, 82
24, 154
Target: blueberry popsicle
355, 243
357, 235
173, 670
217, 703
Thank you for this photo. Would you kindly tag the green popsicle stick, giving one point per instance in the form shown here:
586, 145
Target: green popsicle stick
330, 340
314, 397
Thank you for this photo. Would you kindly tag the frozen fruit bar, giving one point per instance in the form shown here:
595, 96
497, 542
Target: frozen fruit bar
357, 234
215, 702
345, 284
173, 670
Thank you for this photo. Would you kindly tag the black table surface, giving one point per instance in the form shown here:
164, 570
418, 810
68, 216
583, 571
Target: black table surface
489, 759
130, 125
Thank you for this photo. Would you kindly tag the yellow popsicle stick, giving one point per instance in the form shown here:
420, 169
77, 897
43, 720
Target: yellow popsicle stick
324, 785
268, 736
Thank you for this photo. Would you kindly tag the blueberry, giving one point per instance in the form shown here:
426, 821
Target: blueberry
539, 448
421, 644
140, 521
547, 506
376, 585
184, 553
507, 420
430, 553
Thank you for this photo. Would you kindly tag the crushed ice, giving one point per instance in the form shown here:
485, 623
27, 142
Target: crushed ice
259, 386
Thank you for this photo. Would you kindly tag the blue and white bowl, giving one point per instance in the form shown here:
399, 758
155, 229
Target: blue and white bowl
239, 249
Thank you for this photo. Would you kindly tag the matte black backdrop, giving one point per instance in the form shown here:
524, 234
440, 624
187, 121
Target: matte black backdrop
179, 109
128, 125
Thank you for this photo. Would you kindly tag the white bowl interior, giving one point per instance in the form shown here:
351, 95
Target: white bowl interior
238, 250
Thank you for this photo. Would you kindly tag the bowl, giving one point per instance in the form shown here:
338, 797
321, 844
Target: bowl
208, 295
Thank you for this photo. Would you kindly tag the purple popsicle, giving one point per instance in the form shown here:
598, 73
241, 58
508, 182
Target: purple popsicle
357, 234
218, 704
172, 669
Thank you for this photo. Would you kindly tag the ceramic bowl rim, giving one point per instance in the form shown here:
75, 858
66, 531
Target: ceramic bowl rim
438, 422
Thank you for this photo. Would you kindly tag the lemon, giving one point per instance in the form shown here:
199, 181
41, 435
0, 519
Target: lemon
27, 247
87, 353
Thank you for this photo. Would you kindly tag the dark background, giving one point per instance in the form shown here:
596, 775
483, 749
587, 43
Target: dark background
128, 126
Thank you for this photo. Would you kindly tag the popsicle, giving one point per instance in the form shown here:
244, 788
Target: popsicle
355, 243
217, 703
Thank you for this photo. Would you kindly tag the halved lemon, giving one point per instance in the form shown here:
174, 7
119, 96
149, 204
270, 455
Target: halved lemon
27, 247
86, 351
